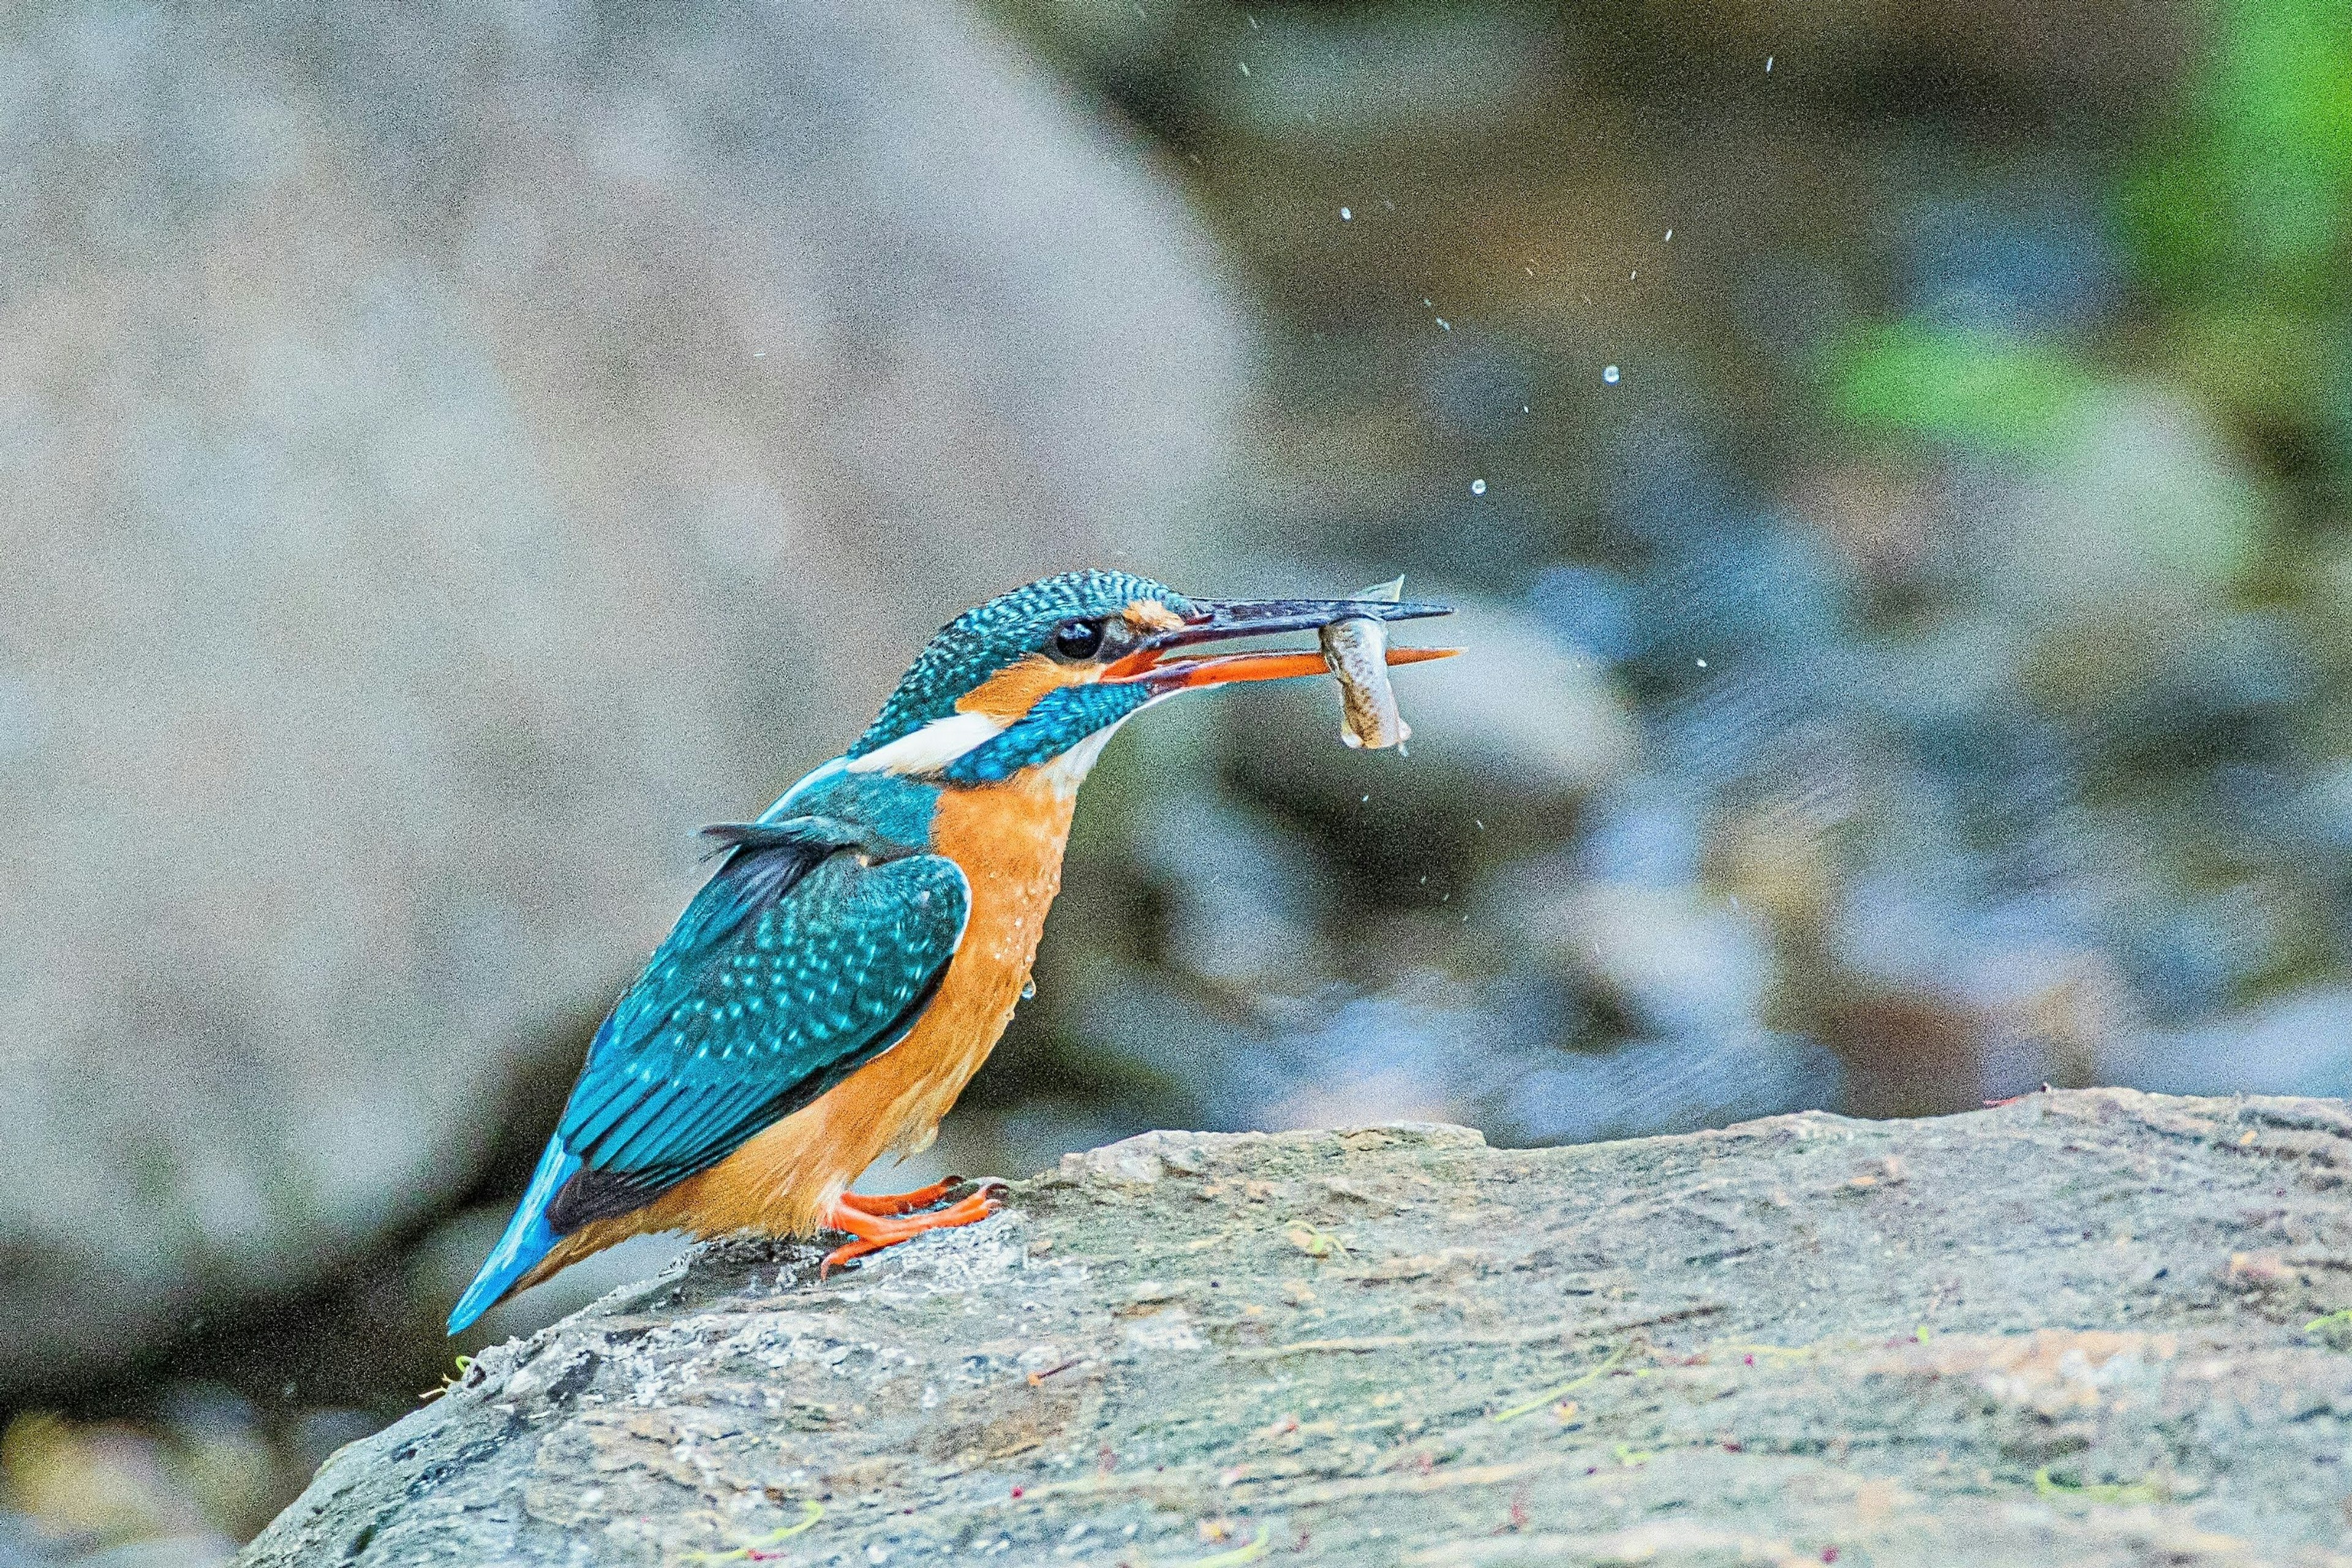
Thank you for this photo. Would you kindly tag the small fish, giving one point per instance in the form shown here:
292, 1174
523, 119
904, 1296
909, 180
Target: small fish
1358, 653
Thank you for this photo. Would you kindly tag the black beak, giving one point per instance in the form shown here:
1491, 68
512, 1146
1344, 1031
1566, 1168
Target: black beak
1256, 618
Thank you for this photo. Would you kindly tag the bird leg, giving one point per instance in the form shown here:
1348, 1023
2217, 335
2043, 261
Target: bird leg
875, 1232
903, 1203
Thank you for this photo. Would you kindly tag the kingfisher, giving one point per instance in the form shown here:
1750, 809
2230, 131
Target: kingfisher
860, 947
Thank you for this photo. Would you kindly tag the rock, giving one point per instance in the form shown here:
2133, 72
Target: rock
451, 456
2289, 1045
2092, 1327
1671, 956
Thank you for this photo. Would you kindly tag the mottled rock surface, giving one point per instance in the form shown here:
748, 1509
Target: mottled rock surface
2087, 1328
450, 456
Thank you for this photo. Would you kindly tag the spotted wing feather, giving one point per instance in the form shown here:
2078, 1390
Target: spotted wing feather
798, 962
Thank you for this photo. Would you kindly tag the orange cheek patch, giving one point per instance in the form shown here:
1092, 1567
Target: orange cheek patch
1150, 615
1012, 691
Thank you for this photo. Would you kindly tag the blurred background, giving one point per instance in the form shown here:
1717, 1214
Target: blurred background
1892, 461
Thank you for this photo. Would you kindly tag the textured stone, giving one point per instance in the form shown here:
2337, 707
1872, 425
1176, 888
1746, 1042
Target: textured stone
2090, 1327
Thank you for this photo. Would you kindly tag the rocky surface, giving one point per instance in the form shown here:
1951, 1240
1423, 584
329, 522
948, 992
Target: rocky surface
2093, 1327
450, 457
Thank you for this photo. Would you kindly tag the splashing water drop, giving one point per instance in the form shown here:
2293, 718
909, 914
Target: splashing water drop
1477, 486
1609, 375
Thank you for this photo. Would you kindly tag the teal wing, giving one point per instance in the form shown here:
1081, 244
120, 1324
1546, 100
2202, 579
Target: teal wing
797, 963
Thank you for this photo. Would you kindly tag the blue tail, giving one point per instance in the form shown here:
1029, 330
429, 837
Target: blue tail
528, 1238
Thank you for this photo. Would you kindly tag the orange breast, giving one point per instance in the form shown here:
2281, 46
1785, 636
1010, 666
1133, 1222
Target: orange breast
1009, 840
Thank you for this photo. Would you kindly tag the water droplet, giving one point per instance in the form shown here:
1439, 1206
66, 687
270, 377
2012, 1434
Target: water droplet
1702, 664
1028, 989
1477, 486
1445, 324
1670, 234
1345, 216
1768, 65
1609, 375
1244, 64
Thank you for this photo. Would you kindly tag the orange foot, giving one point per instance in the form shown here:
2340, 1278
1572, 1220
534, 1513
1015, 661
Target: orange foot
875, 1232
907, 1202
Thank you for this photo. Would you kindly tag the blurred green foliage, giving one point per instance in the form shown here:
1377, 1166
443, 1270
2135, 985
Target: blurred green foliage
1968, 386
2233, 221
2248, 202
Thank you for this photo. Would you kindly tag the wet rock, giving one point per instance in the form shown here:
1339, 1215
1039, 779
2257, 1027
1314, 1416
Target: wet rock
2090, 1327
450, 457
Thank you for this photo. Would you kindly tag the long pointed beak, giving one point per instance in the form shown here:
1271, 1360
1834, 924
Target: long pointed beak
1217, 622
1190, 674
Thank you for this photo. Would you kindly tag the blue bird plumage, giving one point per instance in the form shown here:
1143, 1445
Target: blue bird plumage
986, 637
792, 966
831, 922
1060, 720
527, 1239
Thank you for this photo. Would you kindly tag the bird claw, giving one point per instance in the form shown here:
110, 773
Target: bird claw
871, 1232
892, 1204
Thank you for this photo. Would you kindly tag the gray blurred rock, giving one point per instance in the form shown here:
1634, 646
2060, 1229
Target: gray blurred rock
1703, 1079
2143, 501
449, 455
1674, 957
1240, 896
2296, 1043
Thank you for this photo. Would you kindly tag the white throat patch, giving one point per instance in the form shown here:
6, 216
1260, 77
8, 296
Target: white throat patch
930, 747
1068, 771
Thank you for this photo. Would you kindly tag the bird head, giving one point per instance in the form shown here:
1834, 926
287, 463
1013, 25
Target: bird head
1044, 674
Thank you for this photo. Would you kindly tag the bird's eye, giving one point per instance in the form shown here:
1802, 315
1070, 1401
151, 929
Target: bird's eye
1078, 639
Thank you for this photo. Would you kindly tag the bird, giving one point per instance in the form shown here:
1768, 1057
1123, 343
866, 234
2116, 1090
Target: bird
861, 945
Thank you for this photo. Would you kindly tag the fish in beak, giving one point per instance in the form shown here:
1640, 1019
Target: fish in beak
1162, 662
